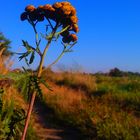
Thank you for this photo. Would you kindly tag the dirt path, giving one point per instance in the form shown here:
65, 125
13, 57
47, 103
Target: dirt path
47, 128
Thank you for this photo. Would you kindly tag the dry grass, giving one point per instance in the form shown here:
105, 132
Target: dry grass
67, 99
11, 94
5, 63
114, 113
78, 81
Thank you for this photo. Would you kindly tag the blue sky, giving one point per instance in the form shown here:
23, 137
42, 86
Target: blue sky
109, 33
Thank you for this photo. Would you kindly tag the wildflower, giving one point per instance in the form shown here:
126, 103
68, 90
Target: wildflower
48, 7
23, 16
73, 11
40, 17
73, 19
73, 37
30, 8
61, 12
66, 39
33, 16
40, 8
75, 28
57, 5
66, 10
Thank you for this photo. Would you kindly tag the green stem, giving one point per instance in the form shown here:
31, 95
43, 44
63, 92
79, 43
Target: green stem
45, 51
58, 58
36, 39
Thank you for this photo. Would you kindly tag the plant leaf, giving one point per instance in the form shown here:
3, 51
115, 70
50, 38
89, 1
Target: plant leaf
32, 57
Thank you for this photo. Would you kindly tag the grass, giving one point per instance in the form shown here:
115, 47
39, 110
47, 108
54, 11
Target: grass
100, 107
12, 104
108, 109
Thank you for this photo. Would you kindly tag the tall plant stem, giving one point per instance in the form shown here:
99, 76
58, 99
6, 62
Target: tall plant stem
38, 74
58, 58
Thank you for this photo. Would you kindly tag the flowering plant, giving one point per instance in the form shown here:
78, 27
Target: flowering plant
62, 21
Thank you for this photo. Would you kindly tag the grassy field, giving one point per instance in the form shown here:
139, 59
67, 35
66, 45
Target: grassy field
98, 106
101, 107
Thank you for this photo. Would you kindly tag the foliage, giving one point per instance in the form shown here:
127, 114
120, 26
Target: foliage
5, 43
115, 72
28, 82
11, 119
112, 112
109, 129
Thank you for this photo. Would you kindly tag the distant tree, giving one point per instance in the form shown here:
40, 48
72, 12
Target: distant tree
115, 72
5, 43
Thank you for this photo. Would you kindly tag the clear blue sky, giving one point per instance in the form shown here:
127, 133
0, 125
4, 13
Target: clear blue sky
109, 33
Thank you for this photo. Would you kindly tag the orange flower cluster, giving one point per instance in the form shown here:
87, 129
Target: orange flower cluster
61, 12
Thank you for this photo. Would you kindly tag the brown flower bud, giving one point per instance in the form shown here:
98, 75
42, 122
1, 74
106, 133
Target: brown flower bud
66, 10
65, 33
33, 16
23, 16
73, 37
48, 7
30, 8
73, 11
40, 8
66, 39
73, 19
75, 28
40, 17
57, 5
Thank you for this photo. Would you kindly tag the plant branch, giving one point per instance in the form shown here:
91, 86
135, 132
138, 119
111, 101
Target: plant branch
36, 38
58, 58
45, 51
50, 24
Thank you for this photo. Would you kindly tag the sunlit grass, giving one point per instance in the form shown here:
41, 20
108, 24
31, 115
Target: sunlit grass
111, 110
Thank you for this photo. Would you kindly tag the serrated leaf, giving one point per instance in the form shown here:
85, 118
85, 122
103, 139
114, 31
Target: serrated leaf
32, 58
27, 46
24, 55
24, 43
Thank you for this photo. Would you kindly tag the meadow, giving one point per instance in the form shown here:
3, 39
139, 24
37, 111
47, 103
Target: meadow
78, 106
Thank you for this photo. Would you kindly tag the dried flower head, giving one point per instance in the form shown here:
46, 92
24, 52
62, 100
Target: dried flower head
73, 37
66, 39
30, 8
24, 16
48, 7
57, 5
60, 12
73, 19
40, 8
75, 28
73, 11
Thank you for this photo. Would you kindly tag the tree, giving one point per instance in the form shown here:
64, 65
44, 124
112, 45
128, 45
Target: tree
5, 43
115, 72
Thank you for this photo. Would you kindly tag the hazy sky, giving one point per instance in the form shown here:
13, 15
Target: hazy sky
109, 33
